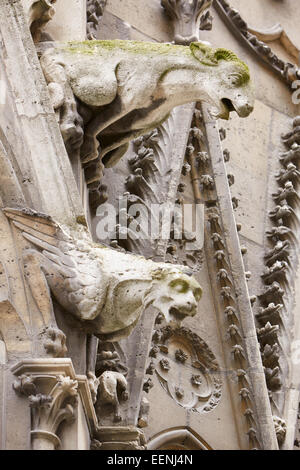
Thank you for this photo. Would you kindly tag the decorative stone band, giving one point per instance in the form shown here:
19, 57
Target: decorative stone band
53, 389
120, 438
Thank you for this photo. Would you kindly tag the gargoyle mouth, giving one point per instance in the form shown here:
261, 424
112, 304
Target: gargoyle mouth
226, 107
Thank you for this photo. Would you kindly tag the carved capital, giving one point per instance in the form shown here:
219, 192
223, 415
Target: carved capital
185, 16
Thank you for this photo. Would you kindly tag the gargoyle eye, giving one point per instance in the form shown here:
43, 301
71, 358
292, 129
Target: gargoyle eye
179, 285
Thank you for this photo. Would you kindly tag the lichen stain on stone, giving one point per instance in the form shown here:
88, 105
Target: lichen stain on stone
209, 56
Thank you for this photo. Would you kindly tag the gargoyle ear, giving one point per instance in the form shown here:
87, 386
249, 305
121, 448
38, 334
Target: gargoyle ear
204, 53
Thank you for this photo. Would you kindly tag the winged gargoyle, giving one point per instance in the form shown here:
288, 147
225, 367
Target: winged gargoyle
103, 289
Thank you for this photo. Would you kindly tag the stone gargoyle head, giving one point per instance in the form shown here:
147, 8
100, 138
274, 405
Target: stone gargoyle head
128, 88
105, 291
229, 87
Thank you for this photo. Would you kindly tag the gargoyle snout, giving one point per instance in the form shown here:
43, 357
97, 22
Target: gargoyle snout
245, 109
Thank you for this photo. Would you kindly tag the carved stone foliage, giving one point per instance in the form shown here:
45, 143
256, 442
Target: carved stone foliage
11, 323
89, 115
113, 388
276, 301
38, 13
287, 72
186, 368
103, 290
94, 12
185, 16
52, 400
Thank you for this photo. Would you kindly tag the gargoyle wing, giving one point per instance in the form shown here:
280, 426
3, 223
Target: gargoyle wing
46, 235
71, 275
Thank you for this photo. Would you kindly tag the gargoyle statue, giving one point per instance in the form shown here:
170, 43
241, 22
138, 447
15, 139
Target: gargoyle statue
124, 89
103, 290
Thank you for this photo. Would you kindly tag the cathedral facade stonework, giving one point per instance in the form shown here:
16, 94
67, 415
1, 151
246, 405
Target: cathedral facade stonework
149, 225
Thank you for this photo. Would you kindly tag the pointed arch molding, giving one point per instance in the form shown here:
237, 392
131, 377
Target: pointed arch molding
184, 437
254, 40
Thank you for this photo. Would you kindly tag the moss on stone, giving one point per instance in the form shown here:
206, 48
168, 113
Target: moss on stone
136, 47
204, 53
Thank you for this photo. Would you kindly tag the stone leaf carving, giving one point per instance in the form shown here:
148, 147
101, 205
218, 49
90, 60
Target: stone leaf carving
104, 291
128, 88
55, 342
120, 438
185, 15
274, 33
94, 11
11, 323
50, 409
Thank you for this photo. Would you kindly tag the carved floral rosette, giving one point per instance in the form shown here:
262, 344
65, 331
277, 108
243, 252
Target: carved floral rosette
187, 369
